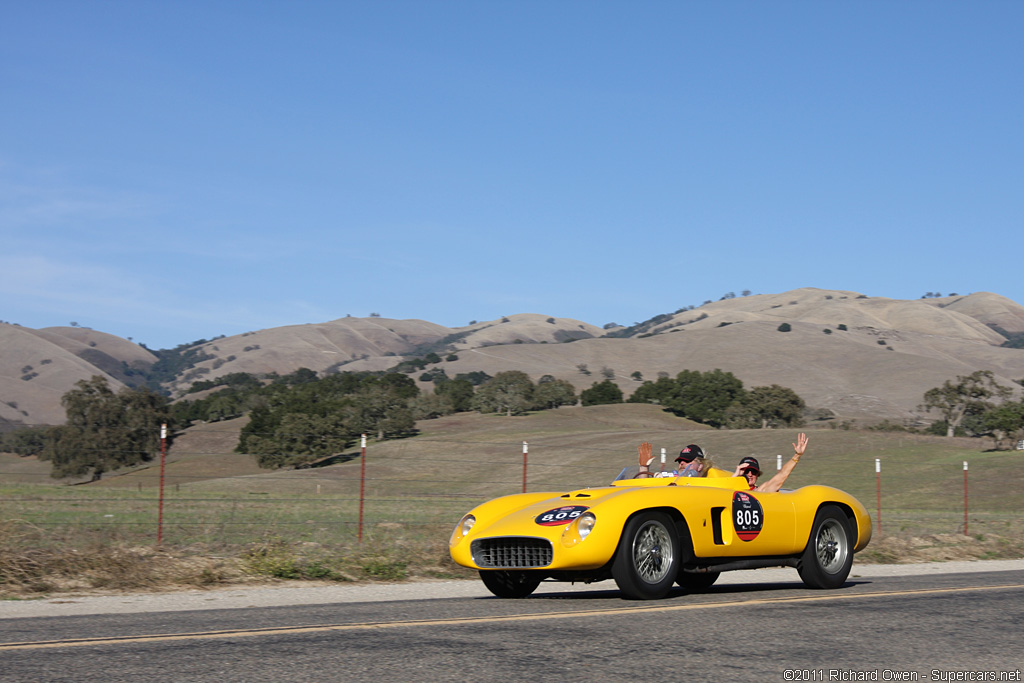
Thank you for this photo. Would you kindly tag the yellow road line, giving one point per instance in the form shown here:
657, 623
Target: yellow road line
647, 608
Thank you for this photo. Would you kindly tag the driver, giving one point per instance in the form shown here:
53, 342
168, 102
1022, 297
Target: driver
690, 463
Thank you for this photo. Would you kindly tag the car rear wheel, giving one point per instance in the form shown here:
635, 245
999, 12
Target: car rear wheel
695, 583
827, 560
646, 562
510, 584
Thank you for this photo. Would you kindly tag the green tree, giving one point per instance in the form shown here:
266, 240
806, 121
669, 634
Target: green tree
382, 410
510, 392
763, 407
601, 393
430, 406
104, 430
458, 392
25, 440
658, 392
223, 406
476, 378
705, 396
300, 439
1005, 421
300, 376
552, 393
968, 394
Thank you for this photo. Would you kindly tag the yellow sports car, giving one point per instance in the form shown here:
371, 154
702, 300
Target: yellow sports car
650, 533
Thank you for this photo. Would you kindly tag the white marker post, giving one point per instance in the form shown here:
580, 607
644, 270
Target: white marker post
163, 459
662, 459
526, 450
362, 484
878, 484
778, 462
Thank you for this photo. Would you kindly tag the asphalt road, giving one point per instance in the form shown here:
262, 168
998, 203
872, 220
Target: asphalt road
963, 626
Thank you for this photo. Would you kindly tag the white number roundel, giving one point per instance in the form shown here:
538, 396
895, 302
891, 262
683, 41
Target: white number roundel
747, 516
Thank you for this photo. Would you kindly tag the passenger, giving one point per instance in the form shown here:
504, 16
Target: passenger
690, 463
750, 468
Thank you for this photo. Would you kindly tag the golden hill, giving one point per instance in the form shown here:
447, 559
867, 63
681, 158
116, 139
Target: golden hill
865, 358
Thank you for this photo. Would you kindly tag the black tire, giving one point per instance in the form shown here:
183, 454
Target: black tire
827, 560
510, 584
695, 583
647, 561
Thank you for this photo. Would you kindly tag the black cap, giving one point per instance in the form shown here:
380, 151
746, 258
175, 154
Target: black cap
752, 464
689, 453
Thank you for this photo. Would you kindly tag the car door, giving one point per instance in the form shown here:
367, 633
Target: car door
731, 523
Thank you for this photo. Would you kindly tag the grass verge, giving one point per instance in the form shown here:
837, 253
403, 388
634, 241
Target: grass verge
35, 562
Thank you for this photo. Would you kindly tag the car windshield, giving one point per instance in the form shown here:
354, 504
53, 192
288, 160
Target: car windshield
628, 473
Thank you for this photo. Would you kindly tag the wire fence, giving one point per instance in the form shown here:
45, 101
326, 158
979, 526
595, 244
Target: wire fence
417, 490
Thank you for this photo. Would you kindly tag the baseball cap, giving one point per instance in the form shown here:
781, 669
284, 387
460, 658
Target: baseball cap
751, 464
689, 453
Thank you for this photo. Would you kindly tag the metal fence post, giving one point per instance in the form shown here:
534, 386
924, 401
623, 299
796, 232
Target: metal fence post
526, 449
362, 484
965, 498
160, 506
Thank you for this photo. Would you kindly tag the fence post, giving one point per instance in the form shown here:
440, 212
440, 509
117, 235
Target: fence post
160, 506
878, 483
662, 459
362, 484
778, 462
526, 449
965, 498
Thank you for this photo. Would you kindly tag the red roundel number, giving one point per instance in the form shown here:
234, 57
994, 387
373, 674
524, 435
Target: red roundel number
560, 516
747, 516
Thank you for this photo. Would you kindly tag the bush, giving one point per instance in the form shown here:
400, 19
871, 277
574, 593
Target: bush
601, 393
784, 327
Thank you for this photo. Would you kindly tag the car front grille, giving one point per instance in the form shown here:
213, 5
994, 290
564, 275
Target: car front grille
512, 552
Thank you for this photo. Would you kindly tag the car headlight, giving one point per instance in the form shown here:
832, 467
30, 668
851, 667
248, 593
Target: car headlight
585, 524
462, 528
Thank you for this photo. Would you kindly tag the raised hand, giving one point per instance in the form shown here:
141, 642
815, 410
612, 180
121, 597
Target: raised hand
644, 450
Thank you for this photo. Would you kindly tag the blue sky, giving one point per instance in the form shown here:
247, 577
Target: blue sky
171, 171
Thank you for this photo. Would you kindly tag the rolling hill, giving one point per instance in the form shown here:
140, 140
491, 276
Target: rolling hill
864, 358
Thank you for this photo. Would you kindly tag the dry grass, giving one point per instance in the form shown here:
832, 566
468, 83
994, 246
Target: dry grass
34, 562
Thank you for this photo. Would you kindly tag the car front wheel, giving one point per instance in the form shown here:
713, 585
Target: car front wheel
827, 560
646, 562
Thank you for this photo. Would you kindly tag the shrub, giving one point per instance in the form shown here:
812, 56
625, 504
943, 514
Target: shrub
784, 327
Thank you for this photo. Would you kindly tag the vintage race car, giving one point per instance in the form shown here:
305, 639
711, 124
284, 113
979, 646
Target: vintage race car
648, 534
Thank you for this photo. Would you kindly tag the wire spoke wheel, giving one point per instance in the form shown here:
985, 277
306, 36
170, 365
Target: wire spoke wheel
652, 552
647, 561
831, 546
828, 557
